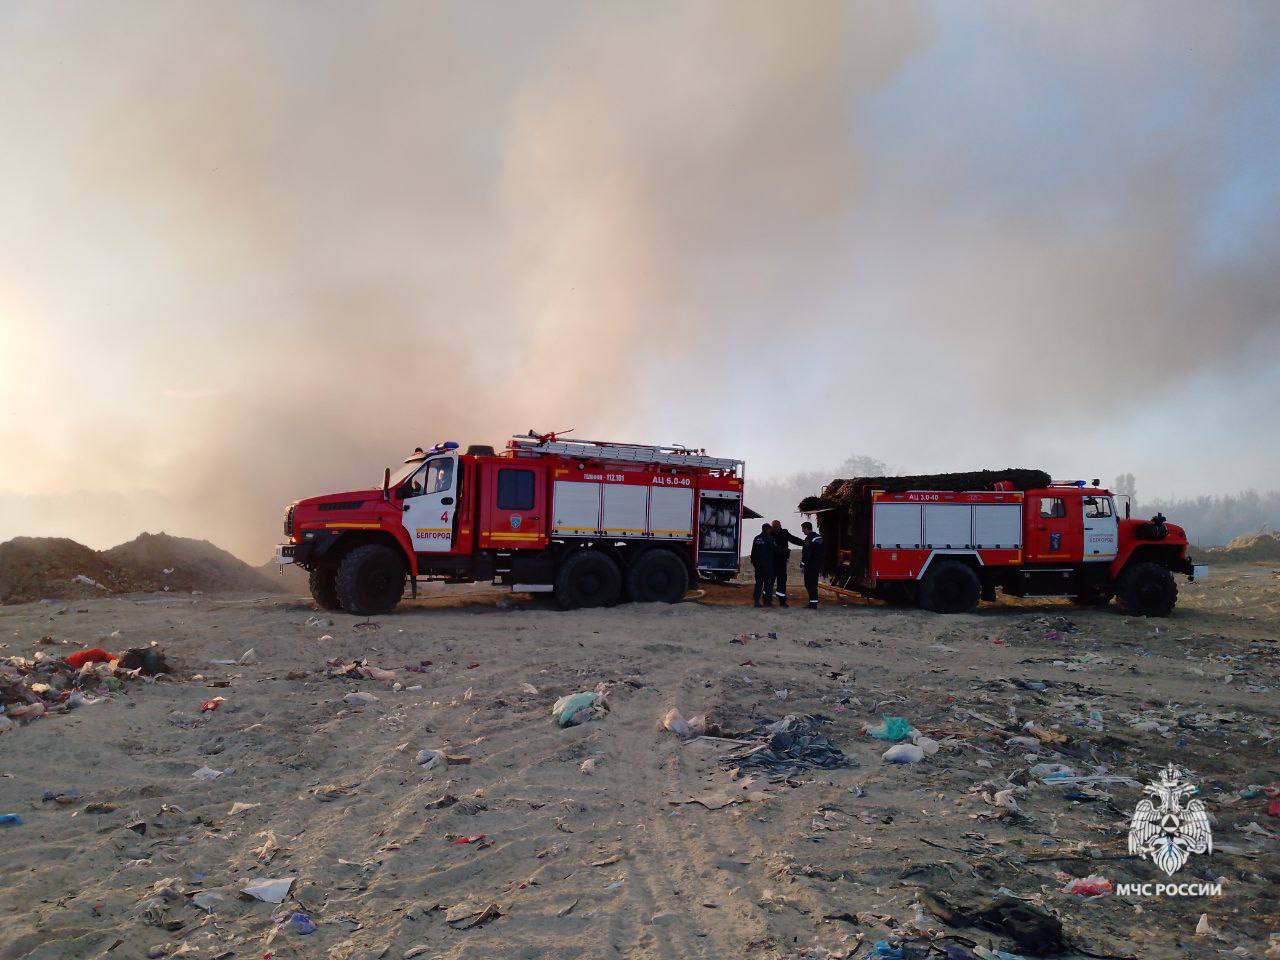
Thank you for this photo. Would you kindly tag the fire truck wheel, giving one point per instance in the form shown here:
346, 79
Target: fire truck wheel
370, 580
588, 579
950, 587
324, 588
1148, 590
657, 576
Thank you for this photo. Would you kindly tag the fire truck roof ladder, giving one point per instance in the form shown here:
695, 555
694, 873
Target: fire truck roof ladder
622, 452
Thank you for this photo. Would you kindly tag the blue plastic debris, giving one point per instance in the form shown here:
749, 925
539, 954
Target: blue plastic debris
10, 820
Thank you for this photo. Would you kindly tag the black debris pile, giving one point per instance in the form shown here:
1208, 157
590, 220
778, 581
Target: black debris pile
1036, 932
787, 745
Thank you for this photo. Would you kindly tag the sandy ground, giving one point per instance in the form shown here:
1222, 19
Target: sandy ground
610, 864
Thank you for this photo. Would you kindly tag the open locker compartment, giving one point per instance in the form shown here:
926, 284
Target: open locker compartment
719, 529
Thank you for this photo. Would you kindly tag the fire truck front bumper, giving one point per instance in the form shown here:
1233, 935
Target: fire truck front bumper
285, 553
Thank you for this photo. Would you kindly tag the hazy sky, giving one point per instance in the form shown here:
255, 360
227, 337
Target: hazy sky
256, 251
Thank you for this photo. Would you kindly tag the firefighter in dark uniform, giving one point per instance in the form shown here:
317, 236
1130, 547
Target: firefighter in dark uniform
812, 557
782, 539
763, 561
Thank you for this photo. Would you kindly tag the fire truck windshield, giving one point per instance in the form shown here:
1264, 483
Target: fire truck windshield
405, 472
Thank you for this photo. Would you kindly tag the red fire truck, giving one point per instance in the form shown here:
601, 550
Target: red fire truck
943, 543
591, 522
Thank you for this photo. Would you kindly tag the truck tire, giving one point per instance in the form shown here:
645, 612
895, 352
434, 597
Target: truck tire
657, 576
588, 578
1147, 590
370, 580
950, 587
324, 588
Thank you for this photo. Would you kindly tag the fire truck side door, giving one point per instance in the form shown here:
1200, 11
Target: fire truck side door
429, 507
1048, 536
514, 516
1101, 531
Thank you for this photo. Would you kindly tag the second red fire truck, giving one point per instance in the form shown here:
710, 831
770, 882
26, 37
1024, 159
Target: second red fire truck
590, 522
946, 541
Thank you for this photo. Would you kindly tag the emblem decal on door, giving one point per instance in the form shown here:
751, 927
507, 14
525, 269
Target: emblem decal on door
1055, 542
515, 521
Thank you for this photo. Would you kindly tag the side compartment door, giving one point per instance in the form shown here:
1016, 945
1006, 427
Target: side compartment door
1048, 529
430, 503
515, 508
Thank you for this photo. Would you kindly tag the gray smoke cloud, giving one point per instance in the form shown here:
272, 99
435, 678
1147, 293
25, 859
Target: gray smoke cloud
256, 250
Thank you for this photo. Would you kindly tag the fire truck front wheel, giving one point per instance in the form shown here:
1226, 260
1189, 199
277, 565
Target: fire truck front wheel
950, 587
1148, 590
588, 578
324, 587
370, 580
657, 576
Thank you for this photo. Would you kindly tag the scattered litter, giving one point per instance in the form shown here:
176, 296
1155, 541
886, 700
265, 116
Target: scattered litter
268, 890
715, 801
359, 699
1094, 885
578, 708
238, 807
529, 688
212, 704
208, 900
1032, 929
695, 726
92, 655
430, 759
11, 820
464, 916
903, 753
250, 656
892, 729
787, 745
208, 773
300, 923
588, 766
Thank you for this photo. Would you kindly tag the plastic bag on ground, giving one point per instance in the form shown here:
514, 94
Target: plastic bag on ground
673, 720
575, 708
903, 753
1093, 885
892, 729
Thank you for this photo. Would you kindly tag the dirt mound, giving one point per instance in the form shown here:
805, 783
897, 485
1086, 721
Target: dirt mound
1251, 547
32, 568
158, 561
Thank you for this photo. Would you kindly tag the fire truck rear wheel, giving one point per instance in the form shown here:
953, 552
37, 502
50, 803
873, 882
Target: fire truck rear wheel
657, 576
370, 580
588, 578
950, 587
1148, 590
324, 588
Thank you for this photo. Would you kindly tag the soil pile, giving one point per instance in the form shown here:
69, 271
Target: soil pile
1251, 548
158, 561
32, 568
55, 568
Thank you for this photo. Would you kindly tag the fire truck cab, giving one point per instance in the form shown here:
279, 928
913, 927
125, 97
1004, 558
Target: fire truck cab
590, 522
